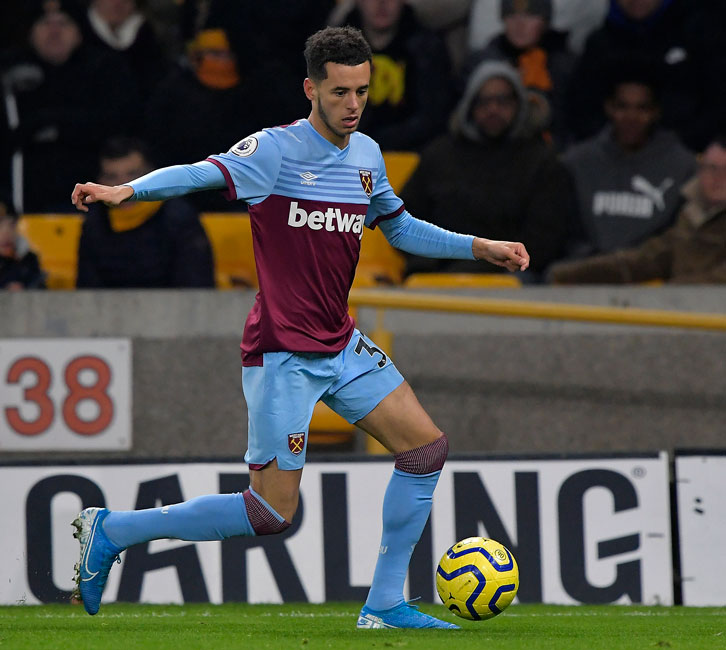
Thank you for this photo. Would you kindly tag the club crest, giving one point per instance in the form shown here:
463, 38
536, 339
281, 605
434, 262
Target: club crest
366, 180
296, 442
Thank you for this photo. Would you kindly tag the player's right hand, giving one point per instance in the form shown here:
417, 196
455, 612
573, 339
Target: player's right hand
85, 193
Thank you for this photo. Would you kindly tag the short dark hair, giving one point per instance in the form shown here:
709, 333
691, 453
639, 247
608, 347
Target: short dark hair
344, 45
121, 146
634, 71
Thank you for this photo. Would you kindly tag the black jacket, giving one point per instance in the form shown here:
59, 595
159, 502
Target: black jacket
170, 249
66, 112
24, 271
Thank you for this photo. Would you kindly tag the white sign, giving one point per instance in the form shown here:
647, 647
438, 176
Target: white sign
701, 490
60, 394
582, 530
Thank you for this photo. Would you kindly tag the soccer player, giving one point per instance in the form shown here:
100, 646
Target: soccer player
311, 187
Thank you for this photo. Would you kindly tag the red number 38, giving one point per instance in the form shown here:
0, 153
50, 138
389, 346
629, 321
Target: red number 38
38, 394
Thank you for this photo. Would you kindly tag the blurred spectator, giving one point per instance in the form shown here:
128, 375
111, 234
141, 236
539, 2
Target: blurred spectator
449, 18
58, 88
538, 51
692, 251
19, 267
411, 85
141, 245
119, 26
628, 176
679, 38
575, 17
267, 38
205, 106
493, 173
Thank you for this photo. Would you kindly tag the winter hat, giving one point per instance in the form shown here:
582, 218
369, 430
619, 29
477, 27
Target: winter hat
537, 7
71, 8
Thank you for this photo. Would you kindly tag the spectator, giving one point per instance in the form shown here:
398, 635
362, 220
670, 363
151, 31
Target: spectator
408, 61
266, 38
539, 52
19, 267
693, 250
493, 173
119, 26
203, 106
575, 17
141, 245
627, 177
56, 88
679, 38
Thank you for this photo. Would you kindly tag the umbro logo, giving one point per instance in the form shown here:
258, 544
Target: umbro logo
308, 178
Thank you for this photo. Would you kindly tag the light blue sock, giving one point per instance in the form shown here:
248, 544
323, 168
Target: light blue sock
406, 508
211, 517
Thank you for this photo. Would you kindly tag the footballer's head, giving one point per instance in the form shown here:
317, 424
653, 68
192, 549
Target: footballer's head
343, 45
339, 72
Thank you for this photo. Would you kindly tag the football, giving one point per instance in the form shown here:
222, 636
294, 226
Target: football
477, 578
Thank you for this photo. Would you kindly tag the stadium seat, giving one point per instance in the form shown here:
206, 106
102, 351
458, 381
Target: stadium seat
328, 429
379, 262
54, 238
462, 281
399, 166
230, 235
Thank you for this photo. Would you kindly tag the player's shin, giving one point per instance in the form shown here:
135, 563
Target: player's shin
406, 508
210, 517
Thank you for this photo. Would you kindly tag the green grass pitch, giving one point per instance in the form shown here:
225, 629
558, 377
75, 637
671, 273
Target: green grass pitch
332, 625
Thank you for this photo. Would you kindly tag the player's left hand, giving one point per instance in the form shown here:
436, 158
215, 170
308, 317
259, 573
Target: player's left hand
513, 256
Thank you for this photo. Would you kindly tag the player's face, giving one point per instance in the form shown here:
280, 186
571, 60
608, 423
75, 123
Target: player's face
338, 101
495, 108
712, 175
633, 113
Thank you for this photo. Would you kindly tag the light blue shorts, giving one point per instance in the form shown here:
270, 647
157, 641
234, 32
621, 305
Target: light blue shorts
282, 393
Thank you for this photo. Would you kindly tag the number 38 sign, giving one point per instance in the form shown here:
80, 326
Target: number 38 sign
65, 394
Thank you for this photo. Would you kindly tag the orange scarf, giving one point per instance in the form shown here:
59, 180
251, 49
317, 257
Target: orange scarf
217, 74
131, 215
533, 69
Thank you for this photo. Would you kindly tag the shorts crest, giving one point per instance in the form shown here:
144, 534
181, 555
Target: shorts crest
296, 442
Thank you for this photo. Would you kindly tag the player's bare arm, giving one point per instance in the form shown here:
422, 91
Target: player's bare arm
513, 256
86, 193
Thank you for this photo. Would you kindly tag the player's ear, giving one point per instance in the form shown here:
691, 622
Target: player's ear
309, 87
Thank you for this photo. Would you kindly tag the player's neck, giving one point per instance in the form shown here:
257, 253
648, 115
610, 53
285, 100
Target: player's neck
322, 128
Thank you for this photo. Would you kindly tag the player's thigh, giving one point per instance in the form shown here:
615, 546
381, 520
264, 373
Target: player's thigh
399, 422
280, 396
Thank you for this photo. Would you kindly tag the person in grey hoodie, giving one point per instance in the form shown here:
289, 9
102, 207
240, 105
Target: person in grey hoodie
627, 177
494, 172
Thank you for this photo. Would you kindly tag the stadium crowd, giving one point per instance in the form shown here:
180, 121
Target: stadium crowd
580, 127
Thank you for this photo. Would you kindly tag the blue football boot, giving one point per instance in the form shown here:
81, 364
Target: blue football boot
404, 615
97, 557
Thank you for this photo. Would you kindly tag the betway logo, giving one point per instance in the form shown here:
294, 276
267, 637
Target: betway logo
332, 219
